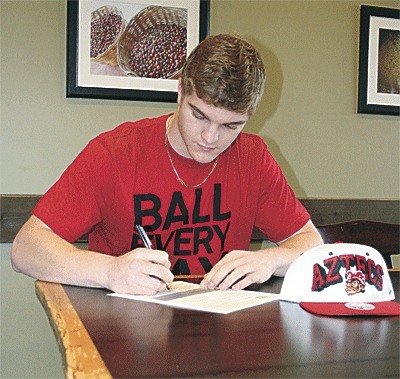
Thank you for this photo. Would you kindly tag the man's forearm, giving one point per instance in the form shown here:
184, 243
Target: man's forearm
41, 254
286, 252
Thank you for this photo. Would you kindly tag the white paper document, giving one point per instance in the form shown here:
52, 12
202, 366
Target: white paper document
193, 296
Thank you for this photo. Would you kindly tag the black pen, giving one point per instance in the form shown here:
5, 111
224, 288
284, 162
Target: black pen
146, 241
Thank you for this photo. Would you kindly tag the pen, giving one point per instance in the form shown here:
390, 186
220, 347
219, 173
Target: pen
146, 241
143, 236
188, 277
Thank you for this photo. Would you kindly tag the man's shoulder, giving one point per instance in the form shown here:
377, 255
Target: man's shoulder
249, 141
251, 137
126, 137
252, 149
131, 128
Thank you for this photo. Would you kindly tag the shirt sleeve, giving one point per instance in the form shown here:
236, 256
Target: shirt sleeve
75, 203
280, 214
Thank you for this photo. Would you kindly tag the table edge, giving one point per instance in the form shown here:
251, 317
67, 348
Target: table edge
80, 357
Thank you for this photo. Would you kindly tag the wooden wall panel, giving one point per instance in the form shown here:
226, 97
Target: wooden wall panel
16, 209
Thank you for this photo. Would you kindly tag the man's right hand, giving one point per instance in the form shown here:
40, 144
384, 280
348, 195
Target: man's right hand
141, 272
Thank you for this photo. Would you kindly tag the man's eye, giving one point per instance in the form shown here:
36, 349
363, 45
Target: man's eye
231, 127
198, 116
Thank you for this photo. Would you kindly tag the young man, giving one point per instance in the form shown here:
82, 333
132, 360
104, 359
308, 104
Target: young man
192, 179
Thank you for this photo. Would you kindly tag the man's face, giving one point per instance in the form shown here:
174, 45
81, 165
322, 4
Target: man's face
204, 131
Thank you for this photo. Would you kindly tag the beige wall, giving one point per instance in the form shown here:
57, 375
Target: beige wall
308, 113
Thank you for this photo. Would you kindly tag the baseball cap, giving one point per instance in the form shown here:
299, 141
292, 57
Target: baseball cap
341, 279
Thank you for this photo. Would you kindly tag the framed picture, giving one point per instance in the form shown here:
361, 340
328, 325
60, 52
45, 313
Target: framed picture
379, 61
131, 49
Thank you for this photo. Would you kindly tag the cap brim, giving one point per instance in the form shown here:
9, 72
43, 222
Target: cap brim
383, 308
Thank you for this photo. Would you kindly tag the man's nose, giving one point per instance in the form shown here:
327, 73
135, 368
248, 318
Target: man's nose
210, 134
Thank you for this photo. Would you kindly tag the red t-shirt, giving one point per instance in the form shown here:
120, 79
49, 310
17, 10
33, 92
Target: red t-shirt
124, 177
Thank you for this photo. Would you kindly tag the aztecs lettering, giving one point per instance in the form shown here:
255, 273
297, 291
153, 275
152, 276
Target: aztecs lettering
186, 229
357, 268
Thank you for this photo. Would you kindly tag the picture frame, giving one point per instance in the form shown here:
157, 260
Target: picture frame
379, 78
101, 63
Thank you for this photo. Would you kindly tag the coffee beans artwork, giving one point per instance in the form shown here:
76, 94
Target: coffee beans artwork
103, 33
389, 61
159, 52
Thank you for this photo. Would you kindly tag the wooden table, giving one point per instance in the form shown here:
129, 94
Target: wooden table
102, 336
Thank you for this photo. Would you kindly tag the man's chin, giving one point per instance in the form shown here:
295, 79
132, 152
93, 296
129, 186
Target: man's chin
204, 160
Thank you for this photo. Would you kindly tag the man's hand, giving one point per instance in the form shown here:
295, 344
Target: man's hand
238, 269
140, 272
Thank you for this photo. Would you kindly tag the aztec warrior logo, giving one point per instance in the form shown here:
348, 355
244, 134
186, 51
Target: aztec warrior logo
359, 271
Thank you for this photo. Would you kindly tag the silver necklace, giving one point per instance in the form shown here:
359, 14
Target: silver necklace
174, 168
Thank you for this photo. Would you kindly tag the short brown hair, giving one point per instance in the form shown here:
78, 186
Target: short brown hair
225, 71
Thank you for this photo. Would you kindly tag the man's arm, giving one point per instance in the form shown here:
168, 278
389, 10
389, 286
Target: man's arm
40, 253
239, 268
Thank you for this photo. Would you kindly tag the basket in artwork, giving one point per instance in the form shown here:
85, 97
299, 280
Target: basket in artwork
154, 43
107, 26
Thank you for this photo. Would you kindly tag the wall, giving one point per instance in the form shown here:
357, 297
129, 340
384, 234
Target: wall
308, 114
